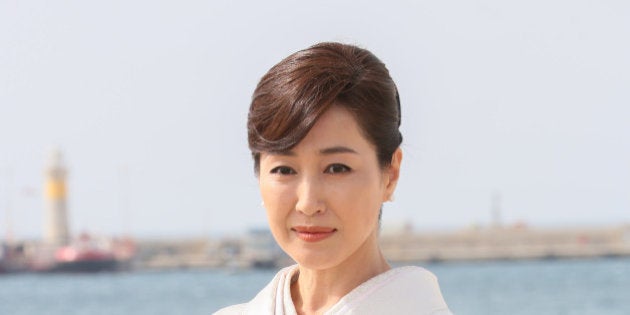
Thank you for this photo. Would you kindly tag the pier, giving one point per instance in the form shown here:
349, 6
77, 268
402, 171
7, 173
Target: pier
515, 243
257, 249
403, 246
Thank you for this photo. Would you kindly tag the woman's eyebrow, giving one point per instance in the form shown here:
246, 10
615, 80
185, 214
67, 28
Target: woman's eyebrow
337, 149
283, 153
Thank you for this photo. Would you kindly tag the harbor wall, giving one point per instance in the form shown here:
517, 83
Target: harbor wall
399, 246
406, 246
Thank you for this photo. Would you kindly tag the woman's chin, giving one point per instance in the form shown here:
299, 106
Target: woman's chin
315, 261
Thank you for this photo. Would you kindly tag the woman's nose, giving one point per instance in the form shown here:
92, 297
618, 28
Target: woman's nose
310, 199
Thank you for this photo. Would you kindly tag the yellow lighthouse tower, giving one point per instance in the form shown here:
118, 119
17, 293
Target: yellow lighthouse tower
56, 216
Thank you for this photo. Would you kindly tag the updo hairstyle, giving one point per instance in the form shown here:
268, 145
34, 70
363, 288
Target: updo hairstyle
294, 93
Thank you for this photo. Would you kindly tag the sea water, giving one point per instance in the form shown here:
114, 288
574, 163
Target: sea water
560, 287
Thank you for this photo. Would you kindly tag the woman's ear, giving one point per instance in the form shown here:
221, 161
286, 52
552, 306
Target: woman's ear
392, 173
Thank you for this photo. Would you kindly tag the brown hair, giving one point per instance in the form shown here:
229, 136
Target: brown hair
294, 93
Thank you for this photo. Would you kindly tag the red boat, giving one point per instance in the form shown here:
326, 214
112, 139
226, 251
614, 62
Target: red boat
87, 255
72, 259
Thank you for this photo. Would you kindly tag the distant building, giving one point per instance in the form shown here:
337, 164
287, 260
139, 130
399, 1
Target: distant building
56, 230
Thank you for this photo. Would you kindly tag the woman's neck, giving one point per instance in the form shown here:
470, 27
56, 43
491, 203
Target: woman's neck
317, 290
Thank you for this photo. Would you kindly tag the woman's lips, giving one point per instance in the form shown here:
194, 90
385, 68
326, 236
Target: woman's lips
313, 233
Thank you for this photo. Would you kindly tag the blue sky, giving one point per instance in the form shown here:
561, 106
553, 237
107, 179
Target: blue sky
148, 101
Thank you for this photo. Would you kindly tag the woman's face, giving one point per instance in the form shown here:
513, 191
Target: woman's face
323, 196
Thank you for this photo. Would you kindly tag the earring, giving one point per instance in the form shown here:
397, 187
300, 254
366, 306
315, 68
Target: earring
391, 198
262, 204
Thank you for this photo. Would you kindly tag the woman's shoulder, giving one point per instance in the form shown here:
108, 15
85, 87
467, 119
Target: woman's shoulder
415, 286
232, 310
409, 290
414, 275
418, 278
264, 301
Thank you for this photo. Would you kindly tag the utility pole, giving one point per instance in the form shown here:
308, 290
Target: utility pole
496, 210
8, 205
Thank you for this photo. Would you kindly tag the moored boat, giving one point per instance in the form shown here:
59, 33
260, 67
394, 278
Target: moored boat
73, 259
90, 255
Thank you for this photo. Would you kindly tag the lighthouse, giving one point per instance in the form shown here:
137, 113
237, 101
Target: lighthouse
56, 230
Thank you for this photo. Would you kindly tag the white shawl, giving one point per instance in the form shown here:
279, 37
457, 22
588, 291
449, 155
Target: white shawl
404, 290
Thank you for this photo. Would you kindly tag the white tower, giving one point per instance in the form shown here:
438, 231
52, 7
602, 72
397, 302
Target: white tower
56, 216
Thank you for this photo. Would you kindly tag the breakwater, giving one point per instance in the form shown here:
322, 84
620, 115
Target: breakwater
507, 244
258, 249
403, 246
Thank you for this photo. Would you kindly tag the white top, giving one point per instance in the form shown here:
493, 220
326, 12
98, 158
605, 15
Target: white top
404, 290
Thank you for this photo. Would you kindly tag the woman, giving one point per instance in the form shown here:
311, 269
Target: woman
323, 132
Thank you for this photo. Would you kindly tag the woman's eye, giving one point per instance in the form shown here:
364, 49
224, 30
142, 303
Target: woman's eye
282, 170
337, 168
